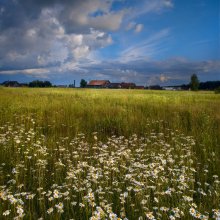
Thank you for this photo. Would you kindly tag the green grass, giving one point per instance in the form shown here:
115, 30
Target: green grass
44, 124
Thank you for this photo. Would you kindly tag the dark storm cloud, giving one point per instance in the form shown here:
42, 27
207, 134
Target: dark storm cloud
11, 15
74, 15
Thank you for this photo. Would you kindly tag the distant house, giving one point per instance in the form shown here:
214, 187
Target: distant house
168, 88
128, 85
98, 84
172, 88
114, 85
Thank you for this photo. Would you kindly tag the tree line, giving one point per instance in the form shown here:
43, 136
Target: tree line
35, 83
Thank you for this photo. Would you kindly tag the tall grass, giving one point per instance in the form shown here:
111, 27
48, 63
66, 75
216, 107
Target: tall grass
51, 132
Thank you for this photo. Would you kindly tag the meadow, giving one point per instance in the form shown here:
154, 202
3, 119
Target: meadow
109, 154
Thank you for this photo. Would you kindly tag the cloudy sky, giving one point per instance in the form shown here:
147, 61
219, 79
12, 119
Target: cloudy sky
146, 41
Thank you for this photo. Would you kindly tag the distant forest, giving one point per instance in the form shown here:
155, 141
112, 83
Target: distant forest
209, 85
35, 83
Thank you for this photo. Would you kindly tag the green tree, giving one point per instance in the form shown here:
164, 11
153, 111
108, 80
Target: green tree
47, 84
194, 84
38, 83
83, 83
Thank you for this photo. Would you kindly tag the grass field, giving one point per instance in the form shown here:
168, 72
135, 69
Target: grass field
109, 154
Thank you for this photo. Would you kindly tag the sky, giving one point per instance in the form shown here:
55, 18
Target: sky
148, 42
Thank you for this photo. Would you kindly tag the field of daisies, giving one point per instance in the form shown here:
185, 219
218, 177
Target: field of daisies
109, 154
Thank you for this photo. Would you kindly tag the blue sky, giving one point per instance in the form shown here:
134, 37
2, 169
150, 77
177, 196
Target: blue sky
147, 41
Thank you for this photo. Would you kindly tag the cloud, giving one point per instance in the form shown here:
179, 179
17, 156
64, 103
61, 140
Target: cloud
110, 21
75, 12
135, 27
81, 51
168, 4
97, 14
57, 32
147, 48
40, 72
44, 42
150, 6
131, 25
138, 28
164, 78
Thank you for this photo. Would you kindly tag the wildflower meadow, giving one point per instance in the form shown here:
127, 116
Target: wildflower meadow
109, 154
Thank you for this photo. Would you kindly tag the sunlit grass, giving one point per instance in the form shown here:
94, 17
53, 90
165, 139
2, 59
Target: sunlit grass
108, 154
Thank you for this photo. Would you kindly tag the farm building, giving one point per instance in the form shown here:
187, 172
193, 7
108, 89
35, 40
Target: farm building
114, 85
128, 85
98, 84
172, 88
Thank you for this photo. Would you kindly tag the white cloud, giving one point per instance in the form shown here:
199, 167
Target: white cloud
68, 34
168, 3
37, 72
134, 26
164, 78
110, 21
138, 28
97, 14
44, 42
150, 6
47, 41
75, 39
130, 25
81, 52
145, 49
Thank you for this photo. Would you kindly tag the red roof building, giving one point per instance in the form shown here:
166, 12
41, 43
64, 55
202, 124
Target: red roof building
98, 84
128, 85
